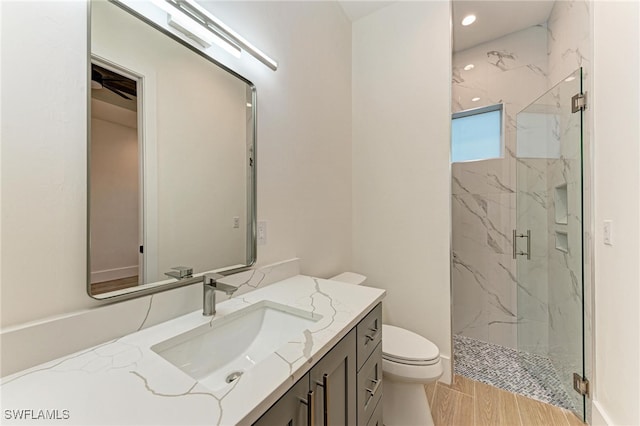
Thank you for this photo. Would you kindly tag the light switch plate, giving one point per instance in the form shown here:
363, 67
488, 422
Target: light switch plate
262, 233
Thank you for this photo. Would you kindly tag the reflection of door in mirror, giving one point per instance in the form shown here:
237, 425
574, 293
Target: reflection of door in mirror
116, 207
195, 126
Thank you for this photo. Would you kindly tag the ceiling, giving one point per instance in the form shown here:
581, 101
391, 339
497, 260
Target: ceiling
359, 9
496, 18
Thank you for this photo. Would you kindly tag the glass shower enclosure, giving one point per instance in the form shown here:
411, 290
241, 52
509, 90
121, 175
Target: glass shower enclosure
548, 241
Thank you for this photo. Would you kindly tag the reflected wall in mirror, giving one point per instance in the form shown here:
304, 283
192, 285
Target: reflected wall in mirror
115, 174
171, 163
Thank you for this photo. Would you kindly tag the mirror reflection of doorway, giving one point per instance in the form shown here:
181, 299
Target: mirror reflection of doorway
115, 204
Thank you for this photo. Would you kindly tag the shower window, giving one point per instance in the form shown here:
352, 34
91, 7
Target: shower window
476, 134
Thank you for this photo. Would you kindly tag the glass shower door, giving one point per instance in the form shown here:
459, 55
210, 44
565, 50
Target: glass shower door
548, 248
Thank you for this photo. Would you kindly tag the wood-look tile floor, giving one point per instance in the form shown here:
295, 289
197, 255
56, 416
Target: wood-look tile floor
107, 286
469, 403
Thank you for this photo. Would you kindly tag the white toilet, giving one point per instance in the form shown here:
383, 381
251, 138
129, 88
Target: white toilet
409, 361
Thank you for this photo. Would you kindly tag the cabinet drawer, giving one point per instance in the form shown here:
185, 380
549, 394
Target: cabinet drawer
369, 334
370, 385
376, 417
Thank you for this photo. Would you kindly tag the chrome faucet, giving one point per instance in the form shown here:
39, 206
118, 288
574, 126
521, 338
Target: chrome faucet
211, 284
180, 272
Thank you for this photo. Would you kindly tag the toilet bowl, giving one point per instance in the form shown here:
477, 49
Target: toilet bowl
409, 361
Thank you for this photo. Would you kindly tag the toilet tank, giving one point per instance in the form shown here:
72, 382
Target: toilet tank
349, 278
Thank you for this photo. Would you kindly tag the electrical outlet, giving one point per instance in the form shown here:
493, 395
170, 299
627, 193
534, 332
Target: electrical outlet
236, 221
262, 233
607, 233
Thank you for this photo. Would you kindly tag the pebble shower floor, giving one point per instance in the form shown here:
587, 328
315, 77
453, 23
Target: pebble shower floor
505, 368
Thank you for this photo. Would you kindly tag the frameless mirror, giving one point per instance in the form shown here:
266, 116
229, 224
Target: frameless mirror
171, 159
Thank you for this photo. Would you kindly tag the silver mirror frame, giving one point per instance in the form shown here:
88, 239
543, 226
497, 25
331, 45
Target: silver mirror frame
252, 181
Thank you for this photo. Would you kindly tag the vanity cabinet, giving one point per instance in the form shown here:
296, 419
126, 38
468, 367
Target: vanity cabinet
333, 382
294, 408
343, 388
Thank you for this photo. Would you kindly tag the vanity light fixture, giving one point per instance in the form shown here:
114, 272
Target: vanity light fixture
469, 67
468, 20
476, 99
193, 29
213, 24
200, 34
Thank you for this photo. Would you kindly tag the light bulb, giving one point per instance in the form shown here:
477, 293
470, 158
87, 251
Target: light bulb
468, 20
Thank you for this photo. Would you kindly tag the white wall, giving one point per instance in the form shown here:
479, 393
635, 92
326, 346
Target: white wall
43, 159
401, 178
114, 200
304, 152
304, 128
616, 110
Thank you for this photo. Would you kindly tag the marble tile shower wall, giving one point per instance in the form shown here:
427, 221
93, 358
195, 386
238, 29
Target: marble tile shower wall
511, 70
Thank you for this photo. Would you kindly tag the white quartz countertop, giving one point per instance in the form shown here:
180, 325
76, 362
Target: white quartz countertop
124, 382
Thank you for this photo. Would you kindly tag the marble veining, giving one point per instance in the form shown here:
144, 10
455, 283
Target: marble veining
536, 69
495, 181
32, 344
259, 277
490, 296
124, 382
146, 316
499, 58
457, 76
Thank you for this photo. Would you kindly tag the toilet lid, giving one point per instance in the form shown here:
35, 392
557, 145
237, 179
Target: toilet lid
407, 347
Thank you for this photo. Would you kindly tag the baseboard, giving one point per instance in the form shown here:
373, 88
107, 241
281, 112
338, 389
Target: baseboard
114, 274
447, 374
599, 416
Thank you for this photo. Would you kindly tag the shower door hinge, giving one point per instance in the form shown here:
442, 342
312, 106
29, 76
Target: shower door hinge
579, 102
580, 384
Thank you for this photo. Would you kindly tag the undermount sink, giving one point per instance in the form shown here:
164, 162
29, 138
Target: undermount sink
219, 352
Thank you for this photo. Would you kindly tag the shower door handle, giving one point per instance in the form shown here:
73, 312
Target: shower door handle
517, 253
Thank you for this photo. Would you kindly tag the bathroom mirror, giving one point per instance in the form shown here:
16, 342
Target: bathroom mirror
171, 163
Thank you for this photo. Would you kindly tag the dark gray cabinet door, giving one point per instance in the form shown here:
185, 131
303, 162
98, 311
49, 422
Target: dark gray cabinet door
333, 382
328, 394
291, 409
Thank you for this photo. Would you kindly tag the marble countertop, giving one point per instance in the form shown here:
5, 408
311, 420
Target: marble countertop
124, 382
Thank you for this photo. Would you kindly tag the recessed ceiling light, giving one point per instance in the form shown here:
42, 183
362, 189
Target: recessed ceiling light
469, 67
468, 20
476, 99
571, 78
